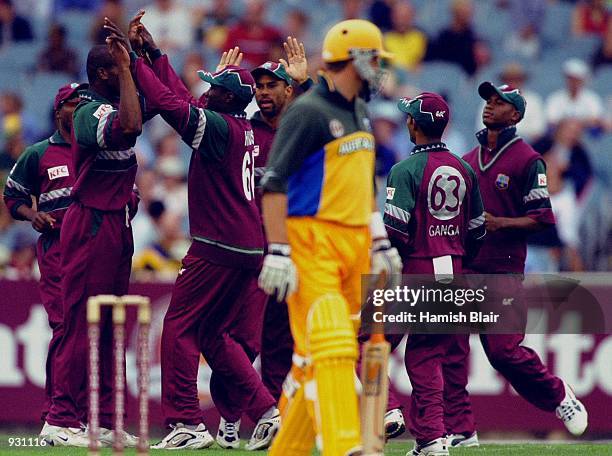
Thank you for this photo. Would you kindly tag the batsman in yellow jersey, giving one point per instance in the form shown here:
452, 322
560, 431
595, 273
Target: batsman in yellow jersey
324, 232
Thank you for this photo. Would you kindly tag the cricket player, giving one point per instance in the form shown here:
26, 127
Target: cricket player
276, 85
223, 260
435, 218
321, 221
45, 171
96, 237
512, 178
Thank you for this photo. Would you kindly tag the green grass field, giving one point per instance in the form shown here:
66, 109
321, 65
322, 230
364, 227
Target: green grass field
393, 448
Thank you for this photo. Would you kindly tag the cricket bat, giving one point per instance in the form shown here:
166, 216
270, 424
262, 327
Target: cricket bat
375, 387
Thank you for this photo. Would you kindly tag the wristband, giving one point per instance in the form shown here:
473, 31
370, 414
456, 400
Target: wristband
279, 249
154, 54
377, 226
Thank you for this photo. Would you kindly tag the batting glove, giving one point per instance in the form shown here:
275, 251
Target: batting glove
386, 259
278, 274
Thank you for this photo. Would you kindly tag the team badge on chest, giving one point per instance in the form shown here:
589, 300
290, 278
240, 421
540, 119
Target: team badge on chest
502, 181
336, 128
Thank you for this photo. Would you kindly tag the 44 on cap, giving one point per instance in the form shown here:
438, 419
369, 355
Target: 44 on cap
233, 78
426, 108
507, 93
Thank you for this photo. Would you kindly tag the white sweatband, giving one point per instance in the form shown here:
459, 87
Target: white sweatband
377, 226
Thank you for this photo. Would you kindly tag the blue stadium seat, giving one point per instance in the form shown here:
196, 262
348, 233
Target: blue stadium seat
432, 16
10, 79
20, 56
602, 80
441, 77
38, 95
78, 26
582, 47
557, 23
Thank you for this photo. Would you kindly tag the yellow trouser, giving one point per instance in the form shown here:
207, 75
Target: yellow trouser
330, 260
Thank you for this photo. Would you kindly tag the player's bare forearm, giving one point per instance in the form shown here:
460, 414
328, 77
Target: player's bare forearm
26, 212
274, 206
130, 116
528, 224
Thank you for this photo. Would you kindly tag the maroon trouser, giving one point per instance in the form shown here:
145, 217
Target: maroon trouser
276, 346
49, 263
97, 252
206, 302
519, 365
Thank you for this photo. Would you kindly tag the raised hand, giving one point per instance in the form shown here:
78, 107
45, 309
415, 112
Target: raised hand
117, 35
134, 33
296, 64
231, 57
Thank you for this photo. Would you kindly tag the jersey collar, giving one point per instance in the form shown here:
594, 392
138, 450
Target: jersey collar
90, 95
431, 147
505, 136
58, 139
326, 89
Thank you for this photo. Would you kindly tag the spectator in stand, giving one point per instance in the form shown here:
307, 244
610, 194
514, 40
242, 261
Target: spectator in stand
257, 41
527, 18
591, 17
13, 27
13, 119
603, 56
87, 5
575, 100
214, 24
533, 125
352, 9
380, 13
296, 25
57, 56
17, 239
162, 258
113, 9
194, 62
458, 42
171, 25
405, 41
566, 147
556, 248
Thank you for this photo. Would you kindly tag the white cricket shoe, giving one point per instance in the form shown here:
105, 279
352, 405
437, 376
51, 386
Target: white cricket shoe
65, 436
264, 432
572, 412
460, 440
228, 434
394, 423
47, 430
436, 447
182, 437
107, 436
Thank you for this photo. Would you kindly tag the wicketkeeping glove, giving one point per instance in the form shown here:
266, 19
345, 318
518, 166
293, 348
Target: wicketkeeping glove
278, 274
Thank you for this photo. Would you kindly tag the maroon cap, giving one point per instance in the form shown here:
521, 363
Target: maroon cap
426, 108
65, 93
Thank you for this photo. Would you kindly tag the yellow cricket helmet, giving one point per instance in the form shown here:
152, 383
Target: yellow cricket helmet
353, 34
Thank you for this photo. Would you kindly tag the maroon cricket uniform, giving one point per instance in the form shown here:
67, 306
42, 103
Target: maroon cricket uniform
512, 180
45, 171
221, 267
433, 209
97, 246
276, 340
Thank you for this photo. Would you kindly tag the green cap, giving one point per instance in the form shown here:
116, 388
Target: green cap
275, 69
233, 78
507, 93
